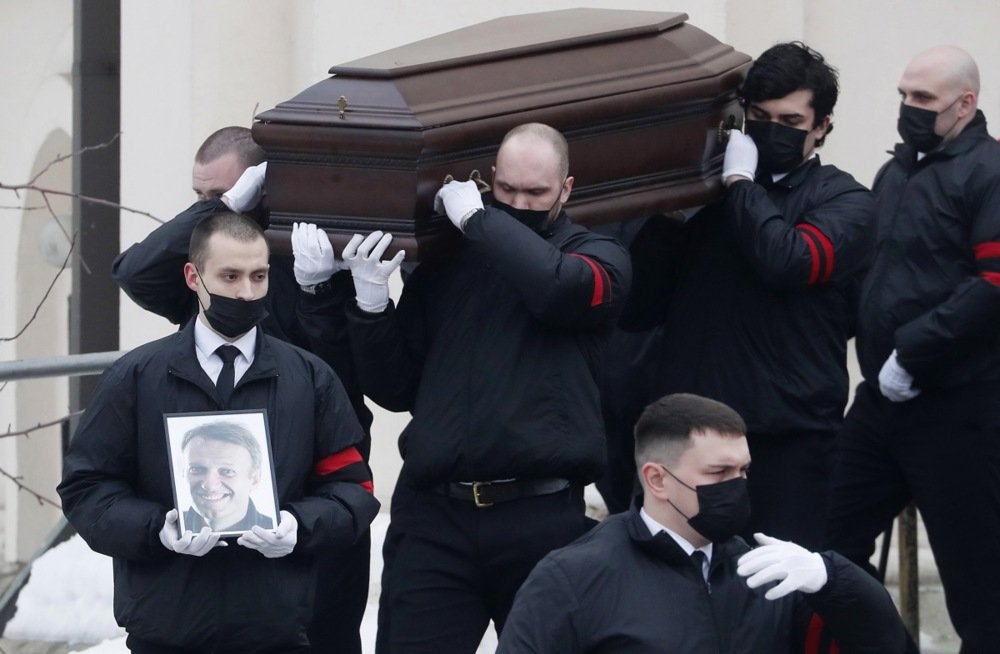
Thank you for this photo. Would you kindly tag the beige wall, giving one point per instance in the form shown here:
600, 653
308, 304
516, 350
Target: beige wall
189, 67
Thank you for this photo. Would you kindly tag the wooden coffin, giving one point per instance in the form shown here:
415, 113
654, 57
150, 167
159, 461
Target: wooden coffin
639, 95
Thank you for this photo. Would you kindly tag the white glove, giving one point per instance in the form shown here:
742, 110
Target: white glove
798, 568
894, 382
273, 543
247, 190
371, 275
190, 543
459, 200
741, 157
315, 261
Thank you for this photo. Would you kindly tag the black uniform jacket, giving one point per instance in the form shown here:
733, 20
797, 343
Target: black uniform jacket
151, 273
933, 292
756, 296
617, 589
496, 352
116, 490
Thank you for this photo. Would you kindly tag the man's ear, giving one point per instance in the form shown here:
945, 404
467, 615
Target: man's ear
254, 478
191, 277
654, 480
967, 104
567, 188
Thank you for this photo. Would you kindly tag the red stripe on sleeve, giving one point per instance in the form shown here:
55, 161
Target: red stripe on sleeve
813, 255
368, 486
813, 635
824, 243
988, 250
991, 277
598, 296
337, 461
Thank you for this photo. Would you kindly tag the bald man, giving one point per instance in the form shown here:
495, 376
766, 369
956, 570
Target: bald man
925, 424
495, 352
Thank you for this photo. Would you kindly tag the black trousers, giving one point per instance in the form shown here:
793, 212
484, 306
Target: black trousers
789, 485
942, 451
451, 567
341, 599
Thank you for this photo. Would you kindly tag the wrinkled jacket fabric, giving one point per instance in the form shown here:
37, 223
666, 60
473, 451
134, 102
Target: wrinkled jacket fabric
933, 292
756, 297
619, 590
496, 351
116, 490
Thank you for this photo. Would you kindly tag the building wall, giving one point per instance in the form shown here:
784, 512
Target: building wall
189, 67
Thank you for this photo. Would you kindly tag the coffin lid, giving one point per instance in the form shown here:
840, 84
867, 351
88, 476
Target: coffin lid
447, 78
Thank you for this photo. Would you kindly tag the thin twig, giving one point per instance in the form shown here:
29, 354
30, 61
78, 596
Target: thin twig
64, 157
83, 198
21, 487
42, 425
38, 307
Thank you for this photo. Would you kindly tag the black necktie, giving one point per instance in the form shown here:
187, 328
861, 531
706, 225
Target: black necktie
224, 385
699, 559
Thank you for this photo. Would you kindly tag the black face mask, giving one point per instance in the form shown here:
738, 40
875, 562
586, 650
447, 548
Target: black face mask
535, 219
231, 317
723, 508
779, 147
916, 127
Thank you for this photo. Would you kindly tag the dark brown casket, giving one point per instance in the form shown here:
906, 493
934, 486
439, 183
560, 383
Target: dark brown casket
639, 95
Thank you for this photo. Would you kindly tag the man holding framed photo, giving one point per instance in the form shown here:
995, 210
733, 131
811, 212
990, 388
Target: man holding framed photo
197, 592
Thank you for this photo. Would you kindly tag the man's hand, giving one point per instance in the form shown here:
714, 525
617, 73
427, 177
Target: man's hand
459, 200
247, 190
894, 382
315, 261
740, 161
190, 543
371, 275
273, 543
798, 568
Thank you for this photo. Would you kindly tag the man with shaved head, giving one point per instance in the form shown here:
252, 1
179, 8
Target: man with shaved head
925, 424
495, 351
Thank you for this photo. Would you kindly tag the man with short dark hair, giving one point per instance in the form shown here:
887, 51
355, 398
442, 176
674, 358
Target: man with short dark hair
305, 300
925, 423
755, 295
117, 488
667, 575
222, 465
495, 350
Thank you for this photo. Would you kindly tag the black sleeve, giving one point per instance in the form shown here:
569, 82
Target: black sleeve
151, 272
339, 503
546, 617
657, 253
98, 488
831, 242
852, 612
582, 286
323, 322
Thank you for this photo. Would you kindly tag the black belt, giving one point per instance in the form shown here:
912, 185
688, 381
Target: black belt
488, 493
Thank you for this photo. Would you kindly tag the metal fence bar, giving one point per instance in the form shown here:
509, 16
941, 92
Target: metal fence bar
71, 365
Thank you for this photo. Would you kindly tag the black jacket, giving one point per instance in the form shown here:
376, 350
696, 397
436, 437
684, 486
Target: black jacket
756, 297
933, 292
617, 589
116, 490
496, 351
151, 273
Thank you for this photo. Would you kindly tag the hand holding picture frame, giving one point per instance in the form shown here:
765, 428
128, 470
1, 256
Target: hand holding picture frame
222, 471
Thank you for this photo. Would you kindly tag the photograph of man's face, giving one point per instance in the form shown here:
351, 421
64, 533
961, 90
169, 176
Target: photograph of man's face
222, 467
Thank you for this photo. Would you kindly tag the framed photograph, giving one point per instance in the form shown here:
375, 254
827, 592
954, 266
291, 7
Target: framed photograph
222, 471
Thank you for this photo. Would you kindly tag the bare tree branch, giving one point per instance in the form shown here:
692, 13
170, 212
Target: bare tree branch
21, 487
42, 425
64, 157
38, 307
16, 188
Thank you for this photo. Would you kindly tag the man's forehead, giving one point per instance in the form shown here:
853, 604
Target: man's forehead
709, 447
225, 251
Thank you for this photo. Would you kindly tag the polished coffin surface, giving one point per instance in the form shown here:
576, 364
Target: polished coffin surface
639, 95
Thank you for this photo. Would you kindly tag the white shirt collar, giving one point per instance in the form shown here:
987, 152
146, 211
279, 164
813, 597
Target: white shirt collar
655, 528
207, 341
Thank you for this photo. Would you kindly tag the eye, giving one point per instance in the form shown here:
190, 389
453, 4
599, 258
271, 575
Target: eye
196, 471
227, 472
259, 277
